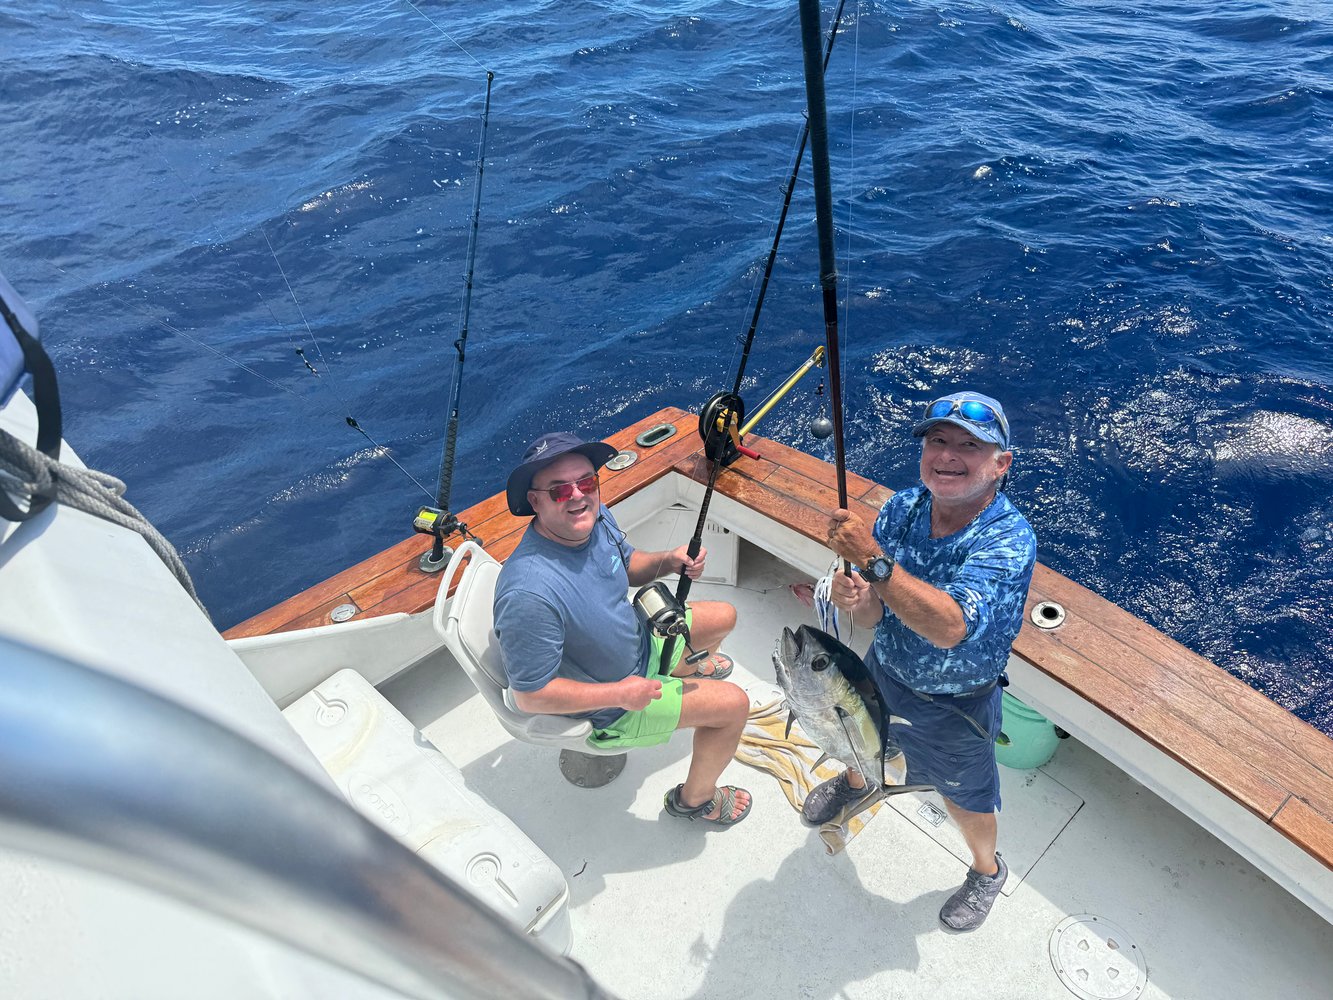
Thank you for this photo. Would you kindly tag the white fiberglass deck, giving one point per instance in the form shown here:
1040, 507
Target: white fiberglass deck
665, 908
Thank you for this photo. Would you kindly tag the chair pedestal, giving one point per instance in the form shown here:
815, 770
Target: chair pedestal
590, 770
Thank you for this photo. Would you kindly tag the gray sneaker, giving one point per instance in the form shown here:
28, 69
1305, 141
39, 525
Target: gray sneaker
829, 798
966, 909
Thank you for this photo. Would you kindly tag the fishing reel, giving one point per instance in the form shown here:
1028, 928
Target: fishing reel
720, 421
439, 524
663, 615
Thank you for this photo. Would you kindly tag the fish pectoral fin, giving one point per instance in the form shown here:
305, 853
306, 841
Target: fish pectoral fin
870, 800
846, 719
791, 720
822, 757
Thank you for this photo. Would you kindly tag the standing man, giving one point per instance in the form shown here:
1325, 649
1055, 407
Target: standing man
943, 580
573, 645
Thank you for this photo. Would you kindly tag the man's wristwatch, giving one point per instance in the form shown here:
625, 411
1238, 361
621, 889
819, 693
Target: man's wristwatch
878, 569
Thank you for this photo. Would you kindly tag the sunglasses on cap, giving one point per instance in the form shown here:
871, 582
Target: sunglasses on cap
561, 492
972, 410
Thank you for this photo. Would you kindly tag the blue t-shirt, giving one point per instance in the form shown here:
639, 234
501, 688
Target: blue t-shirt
986, 567
563, 611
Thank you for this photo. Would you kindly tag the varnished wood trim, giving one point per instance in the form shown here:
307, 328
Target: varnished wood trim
1207, 695
1307, 827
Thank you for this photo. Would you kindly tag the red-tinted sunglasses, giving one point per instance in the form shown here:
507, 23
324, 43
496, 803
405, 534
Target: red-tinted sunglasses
561, 492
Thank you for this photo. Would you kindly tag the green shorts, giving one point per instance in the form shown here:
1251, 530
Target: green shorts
654, 724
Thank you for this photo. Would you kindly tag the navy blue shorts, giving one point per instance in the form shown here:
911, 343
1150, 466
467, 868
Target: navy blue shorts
942, 748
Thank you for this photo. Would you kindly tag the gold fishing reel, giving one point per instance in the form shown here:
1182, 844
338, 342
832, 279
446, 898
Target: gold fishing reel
719, 427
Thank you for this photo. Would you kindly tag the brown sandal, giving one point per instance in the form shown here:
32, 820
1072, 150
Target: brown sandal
723, 665
724, 800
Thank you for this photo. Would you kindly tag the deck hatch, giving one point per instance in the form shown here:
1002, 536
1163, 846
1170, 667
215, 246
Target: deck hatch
1097, 960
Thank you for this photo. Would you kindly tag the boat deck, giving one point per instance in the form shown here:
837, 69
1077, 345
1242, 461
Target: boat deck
1170, 754
665, 908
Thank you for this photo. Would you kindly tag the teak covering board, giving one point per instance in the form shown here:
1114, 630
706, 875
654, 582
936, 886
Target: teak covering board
1253, 750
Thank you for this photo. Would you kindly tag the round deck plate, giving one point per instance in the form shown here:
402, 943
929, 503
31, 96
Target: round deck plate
589, 770
622, 460
1096, 960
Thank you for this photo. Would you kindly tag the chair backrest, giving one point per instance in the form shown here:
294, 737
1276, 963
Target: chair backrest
466, 622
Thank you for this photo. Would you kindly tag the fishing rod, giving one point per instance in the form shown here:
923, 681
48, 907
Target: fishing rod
720, 420
439, 521
817, 111
721, 409
722, 416
782, 216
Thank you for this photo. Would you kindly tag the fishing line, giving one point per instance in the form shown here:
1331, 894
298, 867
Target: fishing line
106, 291
748, 340
324, 362
219, 240
381, 449
143, 310
313, 339
349, 419
446, 34
851, 172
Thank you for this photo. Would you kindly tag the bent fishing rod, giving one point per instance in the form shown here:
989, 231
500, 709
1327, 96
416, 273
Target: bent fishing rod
439, 521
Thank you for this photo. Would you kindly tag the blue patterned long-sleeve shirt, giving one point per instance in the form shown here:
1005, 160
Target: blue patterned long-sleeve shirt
986, 567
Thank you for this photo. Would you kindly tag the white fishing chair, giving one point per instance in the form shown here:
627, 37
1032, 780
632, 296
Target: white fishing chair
466, 623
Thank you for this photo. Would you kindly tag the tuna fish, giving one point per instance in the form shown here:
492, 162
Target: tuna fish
820, 677
824, 682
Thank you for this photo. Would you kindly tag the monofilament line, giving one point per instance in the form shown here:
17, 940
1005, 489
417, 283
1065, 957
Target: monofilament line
446, 34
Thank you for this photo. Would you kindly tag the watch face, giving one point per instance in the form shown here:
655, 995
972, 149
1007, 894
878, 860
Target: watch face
880, 570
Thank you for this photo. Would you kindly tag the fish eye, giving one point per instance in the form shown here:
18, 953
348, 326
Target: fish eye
821, 662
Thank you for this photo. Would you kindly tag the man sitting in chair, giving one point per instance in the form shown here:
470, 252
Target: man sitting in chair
573, 645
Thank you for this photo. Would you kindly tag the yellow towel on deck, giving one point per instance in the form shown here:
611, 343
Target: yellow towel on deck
791, 759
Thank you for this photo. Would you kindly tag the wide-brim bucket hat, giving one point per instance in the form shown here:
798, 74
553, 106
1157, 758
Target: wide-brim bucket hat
541, 453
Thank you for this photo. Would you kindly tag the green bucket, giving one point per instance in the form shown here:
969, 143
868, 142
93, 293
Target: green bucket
1027, 738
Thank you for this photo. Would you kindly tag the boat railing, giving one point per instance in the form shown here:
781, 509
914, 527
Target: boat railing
106, 776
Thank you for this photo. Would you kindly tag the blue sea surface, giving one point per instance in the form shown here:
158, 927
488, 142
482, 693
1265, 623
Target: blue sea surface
241, 224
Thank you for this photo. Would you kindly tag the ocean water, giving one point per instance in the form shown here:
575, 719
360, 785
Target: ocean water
242, 223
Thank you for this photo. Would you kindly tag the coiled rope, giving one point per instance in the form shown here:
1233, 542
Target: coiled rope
97, 493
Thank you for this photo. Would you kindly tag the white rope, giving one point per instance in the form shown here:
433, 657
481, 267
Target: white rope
96, 493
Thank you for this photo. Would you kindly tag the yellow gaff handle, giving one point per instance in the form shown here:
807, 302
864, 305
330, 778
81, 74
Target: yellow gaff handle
815, 359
